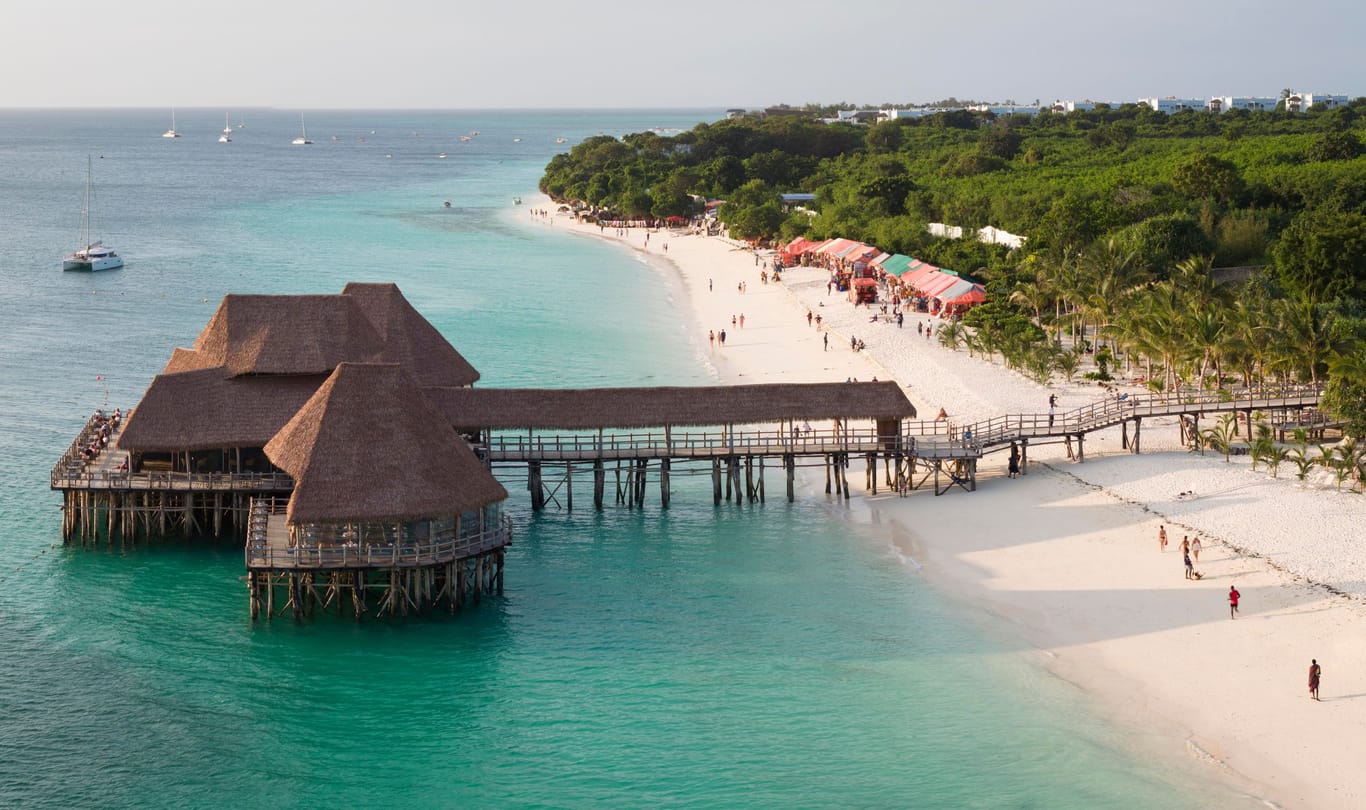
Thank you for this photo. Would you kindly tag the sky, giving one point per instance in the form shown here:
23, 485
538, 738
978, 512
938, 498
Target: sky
458, 54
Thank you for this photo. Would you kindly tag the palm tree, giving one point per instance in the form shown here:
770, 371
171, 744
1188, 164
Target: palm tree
1305, 332
951, 335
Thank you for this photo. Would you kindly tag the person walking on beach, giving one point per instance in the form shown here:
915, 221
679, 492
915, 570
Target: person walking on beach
1190, 568
1315, 672
742, 320
722, 337
826, 340
1185, 544
1233, 597
1161, 538
808, 317
732, 320
708, 285
1195, 548
711, 338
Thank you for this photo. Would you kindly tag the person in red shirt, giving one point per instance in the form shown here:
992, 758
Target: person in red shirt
1233, 596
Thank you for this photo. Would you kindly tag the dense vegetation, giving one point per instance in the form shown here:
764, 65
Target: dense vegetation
1126, 212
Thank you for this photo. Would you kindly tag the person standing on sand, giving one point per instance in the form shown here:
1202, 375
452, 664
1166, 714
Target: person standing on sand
1195, 548
1185, 544
708, 285
826, 340
1315, 672
721, 336
711, 338
1161, 538
1190, 569
742, 320
808, 317
1233, 597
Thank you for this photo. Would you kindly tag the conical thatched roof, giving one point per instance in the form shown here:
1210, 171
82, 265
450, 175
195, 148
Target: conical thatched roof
582, 409
209, 408
409, 339
287, 334
368, 446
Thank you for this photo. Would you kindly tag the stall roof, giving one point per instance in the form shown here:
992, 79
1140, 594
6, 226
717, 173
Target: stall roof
957, 288
976, 295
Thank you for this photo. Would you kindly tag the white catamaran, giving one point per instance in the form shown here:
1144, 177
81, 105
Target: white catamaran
91, 255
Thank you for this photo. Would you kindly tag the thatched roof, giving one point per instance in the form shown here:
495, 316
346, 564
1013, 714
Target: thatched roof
185, 360
582, 409
409, 339
209, 408
368, 446
287, 334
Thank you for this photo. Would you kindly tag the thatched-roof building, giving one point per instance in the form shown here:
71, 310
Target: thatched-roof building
260, 358
372, 418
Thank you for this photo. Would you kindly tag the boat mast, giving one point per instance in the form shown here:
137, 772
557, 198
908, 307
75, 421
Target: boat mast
85, 208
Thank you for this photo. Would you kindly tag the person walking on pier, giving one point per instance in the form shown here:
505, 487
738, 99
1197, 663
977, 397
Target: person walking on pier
1233, 597
1315, 673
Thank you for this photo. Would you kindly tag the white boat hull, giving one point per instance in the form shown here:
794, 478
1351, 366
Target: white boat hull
79, 262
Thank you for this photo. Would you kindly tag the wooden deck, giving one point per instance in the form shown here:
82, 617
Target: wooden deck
268, 547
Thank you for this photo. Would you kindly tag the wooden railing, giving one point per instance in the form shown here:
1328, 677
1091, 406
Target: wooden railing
682, 444
444, 547
64, 478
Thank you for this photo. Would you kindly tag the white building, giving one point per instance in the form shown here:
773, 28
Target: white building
1301, 102
1074, 106
1171, 104
1222, 104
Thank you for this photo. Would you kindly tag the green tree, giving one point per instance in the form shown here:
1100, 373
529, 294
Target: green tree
1206, 177
1322, 255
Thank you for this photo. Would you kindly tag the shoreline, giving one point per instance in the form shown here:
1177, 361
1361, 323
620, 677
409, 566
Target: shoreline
1068, 554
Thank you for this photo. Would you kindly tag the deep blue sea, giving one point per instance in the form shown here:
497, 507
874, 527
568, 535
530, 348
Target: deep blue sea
778, 656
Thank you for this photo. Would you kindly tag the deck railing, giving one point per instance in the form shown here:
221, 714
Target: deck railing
442, 547
69, 478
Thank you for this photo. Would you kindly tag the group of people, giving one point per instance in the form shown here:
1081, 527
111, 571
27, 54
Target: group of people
99, 440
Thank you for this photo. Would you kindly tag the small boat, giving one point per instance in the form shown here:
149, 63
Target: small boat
241, 124
336, 137
516, 140
516, 200
171, 133
227, 129
561, 140
442, 156
464, 139
224, 138
388, 154
446, 204
474, 132
93, 255
302, 140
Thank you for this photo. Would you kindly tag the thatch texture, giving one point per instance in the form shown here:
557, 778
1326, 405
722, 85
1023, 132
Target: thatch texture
185, 360
287, 334
583, 409
368, 446
208, 409
409, 339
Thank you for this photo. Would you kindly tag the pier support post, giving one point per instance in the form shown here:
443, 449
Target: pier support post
749, 479
533, 484
790, 464
1138, 425
716, 482
827, 474
664, 465
599, 483
1024, 455
1081, 447
569, 486
642, 466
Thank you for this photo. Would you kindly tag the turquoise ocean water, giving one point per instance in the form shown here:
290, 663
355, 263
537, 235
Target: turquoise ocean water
779, 656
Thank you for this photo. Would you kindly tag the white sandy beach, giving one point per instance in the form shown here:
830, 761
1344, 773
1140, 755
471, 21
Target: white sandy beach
1068, 554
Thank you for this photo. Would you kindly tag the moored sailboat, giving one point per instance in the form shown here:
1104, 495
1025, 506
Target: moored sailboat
92, 255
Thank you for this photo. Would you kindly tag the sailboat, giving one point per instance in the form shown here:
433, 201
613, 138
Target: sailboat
303, 138
171, 133
224, 138
91, 255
